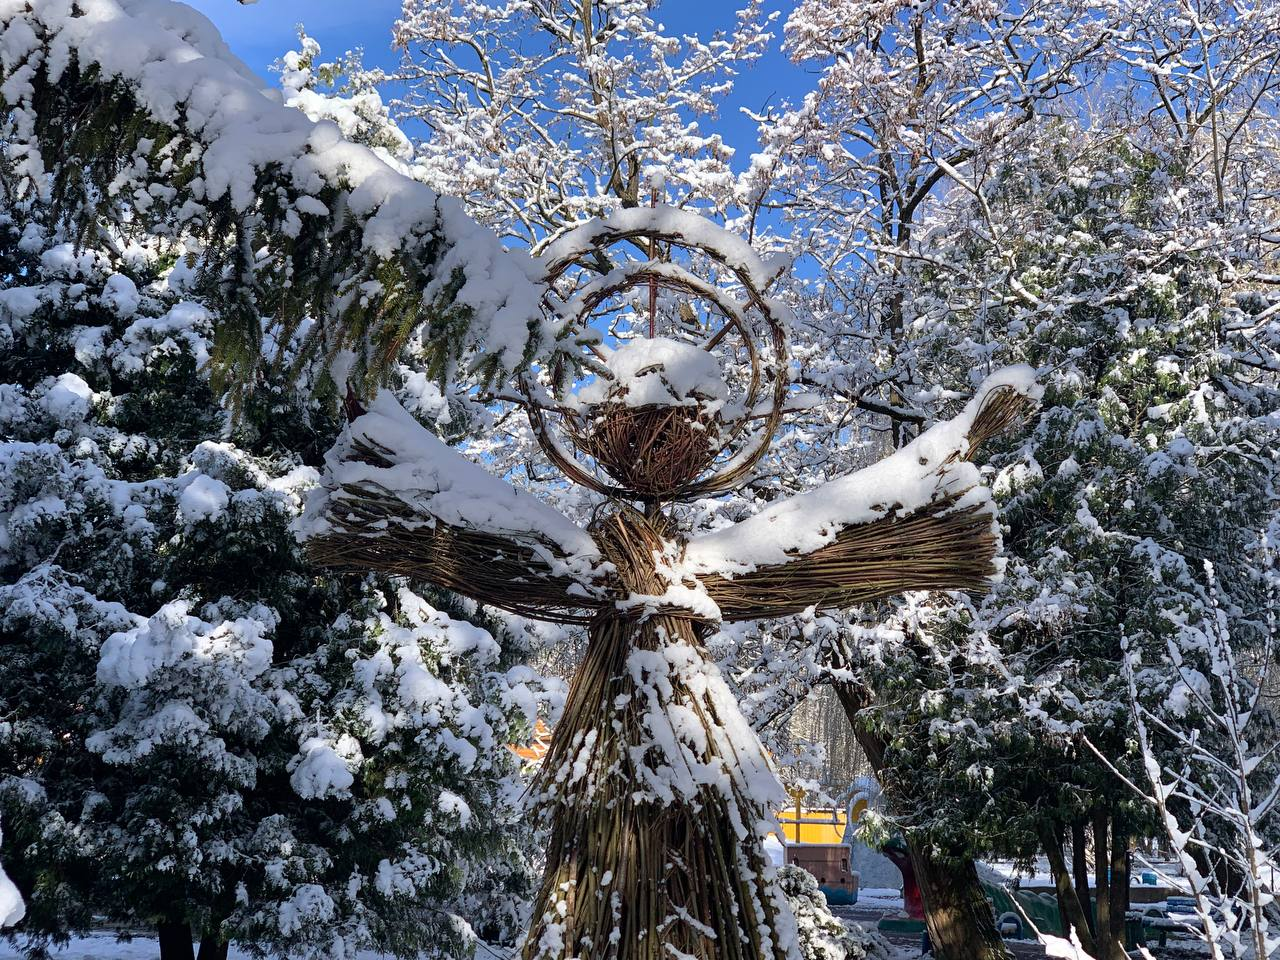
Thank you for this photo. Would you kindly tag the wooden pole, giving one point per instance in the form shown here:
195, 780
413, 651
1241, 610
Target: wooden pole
653, 283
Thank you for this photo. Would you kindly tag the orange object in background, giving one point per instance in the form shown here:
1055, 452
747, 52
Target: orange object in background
537, 748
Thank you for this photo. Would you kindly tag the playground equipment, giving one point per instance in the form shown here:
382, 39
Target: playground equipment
912, 902
814, 839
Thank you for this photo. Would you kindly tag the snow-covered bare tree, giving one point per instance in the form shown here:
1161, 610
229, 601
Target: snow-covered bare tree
1212, 774
1202, 78
907, 96
545, 114
1152, 456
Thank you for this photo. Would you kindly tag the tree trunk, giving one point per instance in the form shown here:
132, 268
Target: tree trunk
1102, 883
1073, 917
956, 911
175, 941
1119, 891
212, 948
957, 914
1080, 868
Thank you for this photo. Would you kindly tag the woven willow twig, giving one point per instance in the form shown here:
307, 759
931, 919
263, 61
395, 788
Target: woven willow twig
738, 460
650, 450
641, 879
1002, 410
646, 862
374, 529
937, 547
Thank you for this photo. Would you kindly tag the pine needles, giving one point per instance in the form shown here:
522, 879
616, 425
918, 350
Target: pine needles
285, 262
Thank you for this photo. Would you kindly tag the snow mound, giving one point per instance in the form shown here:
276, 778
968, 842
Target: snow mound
68, 399
323, 768
821, 934
659, 372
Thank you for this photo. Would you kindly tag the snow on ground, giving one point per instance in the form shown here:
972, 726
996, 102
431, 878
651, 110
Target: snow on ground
881, 898
105, 946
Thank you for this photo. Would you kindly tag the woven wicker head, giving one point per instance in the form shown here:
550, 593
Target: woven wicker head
655, 423
673, 375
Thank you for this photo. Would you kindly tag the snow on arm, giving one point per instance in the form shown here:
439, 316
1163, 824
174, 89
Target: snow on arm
930, 468
438, 484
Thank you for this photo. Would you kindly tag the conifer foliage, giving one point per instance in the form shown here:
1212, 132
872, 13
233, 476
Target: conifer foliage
197, 731
136, 110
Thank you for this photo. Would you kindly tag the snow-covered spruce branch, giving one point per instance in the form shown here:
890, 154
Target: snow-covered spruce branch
137, 110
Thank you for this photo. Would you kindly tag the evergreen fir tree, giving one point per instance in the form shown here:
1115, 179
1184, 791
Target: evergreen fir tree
198, 732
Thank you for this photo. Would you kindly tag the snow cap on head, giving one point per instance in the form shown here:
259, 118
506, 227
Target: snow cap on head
659, 372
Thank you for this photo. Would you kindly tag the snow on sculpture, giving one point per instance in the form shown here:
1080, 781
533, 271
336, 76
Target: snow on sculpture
658, 792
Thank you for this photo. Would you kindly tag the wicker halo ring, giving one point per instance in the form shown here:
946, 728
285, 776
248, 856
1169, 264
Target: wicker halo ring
750, 321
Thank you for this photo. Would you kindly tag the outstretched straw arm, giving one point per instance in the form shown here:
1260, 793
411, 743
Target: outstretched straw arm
917, 520
395, 499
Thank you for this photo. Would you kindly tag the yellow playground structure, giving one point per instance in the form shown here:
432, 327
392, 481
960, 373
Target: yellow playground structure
814, 838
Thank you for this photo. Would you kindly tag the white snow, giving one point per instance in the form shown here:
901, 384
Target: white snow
130, 658
68, 400
682, 225
774, 850
439, 484
121, 295
182, 73
323, 768
453, 805
1063, 949
12, 908
924, 471
203, 498
185, 321
659, 372
309, 904
104, 946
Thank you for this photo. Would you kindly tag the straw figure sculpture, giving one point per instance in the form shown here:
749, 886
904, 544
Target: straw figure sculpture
657, 793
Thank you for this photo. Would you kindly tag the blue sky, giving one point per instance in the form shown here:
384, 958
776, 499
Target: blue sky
261, 32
